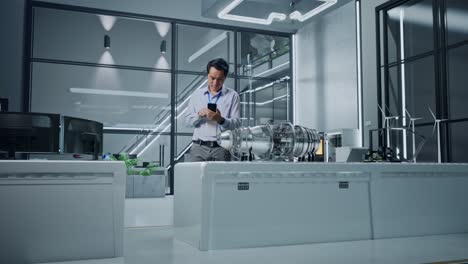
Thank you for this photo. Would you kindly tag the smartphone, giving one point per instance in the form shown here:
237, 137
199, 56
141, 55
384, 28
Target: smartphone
212, 107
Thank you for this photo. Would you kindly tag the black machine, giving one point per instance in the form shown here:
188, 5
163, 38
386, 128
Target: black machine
48, 136
25, 133
81, 136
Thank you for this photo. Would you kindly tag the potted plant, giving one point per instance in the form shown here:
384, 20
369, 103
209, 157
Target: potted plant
142, 182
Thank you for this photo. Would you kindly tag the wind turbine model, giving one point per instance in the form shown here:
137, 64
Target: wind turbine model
437, 124
411, 124
387, 124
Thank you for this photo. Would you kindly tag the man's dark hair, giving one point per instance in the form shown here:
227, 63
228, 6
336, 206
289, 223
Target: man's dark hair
219, 64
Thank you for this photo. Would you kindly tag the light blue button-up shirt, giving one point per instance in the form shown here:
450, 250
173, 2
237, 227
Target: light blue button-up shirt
228, 104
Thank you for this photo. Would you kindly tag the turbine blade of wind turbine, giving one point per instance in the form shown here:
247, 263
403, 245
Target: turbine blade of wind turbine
381, 110
432, 113
388, 109
419, 148
408, 113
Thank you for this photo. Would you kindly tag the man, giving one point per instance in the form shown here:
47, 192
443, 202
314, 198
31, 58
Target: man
224, 114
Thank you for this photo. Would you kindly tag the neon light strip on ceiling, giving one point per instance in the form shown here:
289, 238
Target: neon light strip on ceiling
224, 14
296, 15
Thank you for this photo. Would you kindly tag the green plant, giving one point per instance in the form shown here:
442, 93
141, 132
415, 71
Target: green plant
148, 170
130, 163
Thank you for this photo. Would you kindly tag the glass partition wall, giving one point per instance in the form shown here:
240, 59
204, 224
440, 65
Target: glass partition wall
136, 74
422, 50
264, 78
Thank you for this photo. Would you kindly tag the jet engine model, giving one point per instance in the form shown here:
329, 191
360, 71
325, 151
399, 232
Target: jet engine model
282, 141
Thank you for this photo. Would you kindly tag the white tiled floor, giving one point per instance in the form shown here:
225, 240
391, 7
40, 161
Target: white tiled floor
157, 245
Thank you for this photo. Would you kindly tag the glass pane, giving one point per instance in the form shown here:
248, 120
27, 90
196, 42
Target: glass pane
420, 88
198, 45
116, 143
419, 94
186, 85
397, 142
263, 55
457, 80
411, 24
394, 92
281, 99
459, 141
393, 36
182, 145
409, 143
381, 38
247, 98
133, 42
271, 100
118, 98
428, 152
457, 19
382, 84
157, 152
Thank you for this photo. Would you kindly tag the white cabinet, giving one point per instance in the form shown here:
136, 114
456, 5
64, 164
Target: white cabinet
61, 210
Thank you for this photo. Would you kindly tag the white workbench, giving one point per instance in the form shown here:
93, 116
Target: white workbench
297, 203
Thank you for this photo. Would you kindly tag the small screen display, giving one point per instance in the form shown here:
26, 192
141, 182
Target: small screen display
212, 107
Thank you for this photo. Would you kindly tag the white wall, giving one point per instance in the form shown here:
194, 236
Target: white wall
326, 73
11, 52
322, 101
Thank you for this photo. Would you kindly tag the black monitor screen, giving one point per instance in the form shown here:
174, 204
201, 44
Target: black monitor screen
82, 136
29, 133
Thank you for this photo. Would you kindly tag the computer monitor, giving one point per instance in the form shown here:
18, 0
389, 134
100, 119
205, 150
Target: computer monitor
82, 136
28, 133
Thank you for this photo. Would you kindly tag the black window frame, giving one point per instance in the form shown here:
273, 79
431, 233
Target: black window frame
440, 51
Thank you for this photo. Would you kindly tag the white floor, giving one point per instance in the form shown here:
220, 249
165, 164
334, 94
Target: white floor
149, 239
149, 212
157, 245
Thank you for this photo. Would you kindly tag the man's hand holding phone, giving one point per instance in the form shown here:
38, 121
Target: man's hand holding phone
211, 113
212, 107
